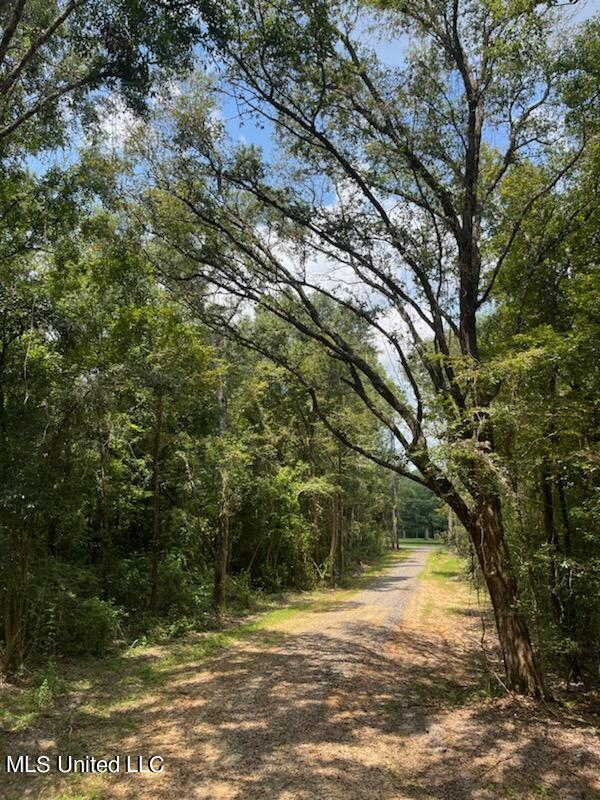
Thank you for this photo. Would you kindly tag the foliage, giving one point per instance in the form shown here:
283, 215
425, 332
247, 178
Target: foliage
90, 339
221, 363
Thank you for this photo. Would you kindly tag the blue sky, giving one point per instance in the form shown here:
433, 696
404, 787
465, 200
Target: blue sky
390, 51
244, 129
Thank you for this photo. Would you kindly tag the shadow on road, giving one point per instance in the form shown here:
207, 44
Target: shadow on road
320, 715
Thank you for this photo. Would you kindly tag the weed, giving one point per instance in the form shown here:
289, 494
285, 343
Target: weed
48, 686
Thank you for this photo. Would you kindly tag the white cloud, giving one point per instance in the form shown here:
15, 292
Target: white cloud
117, 125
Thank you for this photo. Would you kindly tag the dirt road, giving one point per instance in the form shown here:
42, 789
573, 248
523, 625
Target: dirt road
294, 713
378, 695
361, 700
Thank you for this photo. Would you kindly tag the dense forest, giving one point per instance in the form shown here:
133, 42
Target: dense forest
272, 299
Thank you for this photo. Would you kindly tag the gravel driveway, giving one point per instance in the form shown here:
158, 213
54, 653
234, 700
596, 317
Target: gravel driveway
359, 696
291, 715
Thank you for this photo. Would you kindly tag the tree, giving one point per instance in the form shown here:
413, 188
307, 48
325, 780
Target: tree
97, 371
168, 365
110, 386
419, 514
394, 176
542, 340
52, 50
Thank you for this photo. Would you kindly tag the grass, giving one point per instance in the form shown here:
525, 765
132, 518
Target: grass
412, 542
99, 701
443, 566
448, 570
117, 682
446, 595
18, 710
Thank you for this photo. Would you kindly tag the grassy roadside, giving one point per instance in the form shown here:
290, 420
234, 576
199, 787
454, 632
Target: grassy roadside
101, 686
476, 740
445, 615
93, 704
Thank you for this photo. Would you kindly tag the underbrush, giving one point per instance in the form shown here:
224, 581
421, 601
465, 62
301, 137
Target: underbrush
184, 638
35, 697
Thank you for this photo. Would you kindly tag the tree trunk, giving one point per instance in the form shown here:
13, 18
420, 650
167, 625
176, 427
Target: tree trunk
487, 533
313, 504
106, 557
564, 513
15, 604
394, 512
451, 539
553, 543
569, 610
333, 549
222, 546
222, 553
14, 618
342, 535
156, 527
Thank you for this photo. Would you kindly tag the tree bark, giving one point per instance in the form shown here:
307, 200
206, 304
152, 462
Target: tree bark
222, 553
487, 534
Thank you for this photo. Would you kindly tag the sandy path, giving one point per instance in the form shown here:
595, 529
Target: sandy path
292, 715
371, 697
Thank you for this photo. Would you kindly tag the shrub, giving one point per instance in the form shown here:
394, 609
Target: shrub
243, 597
86, 627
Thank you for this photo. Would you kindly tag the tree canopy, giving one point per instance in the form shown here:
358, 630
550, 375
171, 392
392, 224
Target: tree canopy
231, 367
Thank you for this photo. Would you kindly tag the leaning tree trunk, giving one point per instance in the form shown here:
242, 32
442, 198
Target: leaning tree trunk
487, 534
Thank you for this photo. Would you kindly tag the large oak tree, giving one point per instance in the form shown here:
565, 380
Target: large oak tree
397, 181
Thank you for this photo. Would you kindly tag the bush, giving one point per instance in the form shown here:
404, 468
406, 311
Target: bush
242, 596
182, 590
129, 582
66, 616
86, 627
